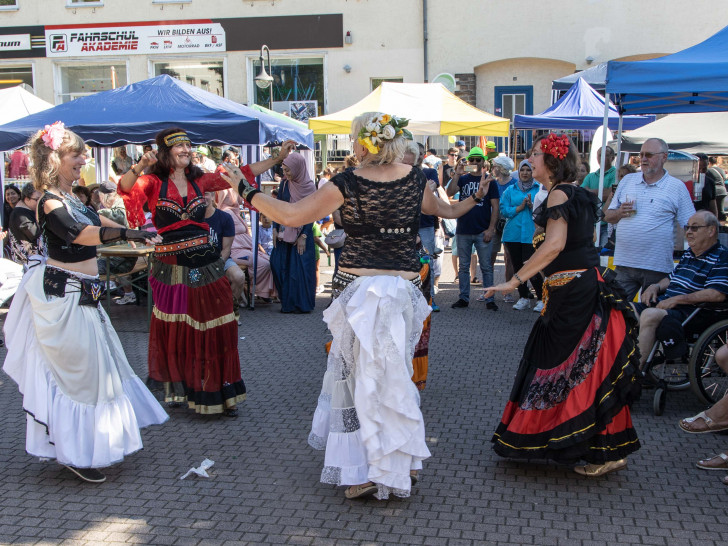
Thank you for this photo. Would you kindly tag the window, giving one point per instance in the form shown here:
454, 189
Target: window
10, 76
205, 74
79, 81
299, 80
83, 3
8, 5
376, 82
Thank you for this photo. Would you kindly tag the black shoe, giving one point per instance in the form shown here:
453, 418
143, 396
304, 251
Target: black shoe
491, 305
458, 304
475, 281
231, 412
90, 475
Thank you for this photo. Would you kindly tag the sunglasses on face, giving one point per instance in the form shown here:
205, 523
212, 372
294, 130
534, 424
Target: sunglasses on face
692, 228
453, 155
475, 160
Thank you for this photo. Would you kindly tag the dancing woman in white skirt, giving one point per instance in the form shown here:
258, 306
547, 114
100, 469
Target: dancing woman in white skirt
84, 404
368, 417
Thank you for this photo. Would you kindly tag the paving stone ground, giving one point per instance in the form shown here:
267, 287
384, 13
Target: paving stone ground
264, 486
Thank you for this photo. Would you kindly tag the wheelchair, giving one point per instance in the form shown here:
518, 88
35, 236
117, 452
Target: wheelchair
696, 369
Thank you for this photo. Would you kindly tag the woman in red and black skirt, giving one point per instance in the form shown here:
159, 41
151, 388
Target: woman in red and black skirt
193, 347
577, 378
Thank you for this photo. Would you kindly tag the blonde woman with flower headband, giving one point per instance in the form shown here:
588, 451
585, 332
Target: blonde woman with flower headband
84, 403
571, 398
368, 417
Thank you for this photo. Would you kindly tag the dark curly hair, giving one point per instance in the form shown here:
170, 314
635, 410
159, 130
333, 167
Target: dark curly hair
562, 170
163, 166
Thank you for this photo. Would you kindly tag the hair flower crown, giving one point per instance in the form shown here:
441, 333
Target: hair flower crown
555, 145
52, 135
381, 128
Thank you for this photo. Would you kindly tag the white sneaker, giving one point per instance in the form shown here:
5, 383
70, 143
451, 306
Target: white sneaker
539, 307
521, 304
129, 297
435, 290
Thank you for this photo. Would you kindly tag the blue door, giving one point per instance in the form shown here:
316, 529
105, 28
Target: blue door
509, 101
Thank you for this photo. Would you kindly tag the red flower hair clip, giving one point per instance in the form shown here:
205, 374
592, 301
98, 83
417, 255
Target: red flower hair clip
555, 145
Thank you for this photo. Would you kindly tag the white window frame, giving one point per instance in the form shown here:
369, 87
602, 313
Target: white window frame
7, 63
250, 68
16, 7
82, 61
192, 58
80, 4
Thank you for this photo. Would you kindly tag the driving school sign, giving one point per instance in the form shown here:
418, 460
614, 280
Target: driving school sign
134, 38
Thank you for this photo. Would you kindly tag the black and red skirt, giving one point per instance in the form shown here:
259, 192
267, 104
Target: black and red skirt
193, 337
577, 378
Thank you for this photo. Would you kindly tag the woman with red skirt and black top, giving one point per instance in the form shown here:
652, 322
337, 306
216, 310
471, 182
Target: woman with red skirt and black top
193, 347
577, 378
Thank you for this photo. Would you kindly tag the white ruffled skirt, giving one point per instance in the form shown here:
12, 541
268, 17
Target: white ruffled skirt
84, 404
368, 417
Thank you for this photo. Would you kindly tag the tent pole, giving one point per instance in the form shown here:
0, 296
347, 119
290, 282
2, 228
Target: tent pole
619, 145
605, 132
2, 195
256, 233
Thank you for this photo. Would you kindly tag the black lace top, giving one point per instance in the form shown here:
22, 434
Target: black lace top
381, 220
581, 212
61, 227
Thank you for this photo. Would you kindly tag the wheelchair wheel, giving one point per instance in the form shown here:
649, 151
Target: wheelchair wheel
674, 373
658, 402
708, 381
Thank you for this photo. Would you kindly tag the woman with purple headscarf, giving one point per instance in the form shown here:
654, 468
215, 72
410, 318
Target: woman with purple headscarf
293, 260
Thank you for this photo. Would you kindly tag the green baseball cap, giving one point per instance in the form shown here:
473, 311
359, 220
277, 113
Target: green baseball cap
476, 152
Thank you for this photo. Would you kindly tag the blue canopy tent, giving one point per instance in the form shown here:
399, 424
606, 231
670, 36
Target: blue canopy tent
581, 108
594, 76
136, 113
692, 80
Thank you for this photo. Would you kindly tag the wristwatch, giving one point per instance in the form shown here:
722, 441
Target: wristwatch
477, 199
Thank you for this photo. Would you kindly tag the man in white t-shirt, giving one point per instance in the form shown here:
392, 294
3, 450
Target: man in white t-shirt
645, 208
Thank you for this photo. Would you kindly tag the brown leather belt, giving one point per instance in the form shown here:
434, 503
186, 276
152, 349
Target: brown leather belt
181, 245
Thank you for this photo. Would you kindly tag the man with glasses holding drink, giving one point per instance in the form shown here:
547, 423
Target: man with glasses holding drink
645, 208
477, 226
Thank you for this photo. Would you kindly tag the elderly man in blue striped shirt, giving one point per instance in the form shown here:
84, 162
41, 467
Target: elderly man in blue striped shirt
700, 277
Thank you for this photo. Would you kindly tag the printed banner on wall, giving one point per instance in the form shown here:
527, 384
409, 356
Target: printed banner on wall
196, 36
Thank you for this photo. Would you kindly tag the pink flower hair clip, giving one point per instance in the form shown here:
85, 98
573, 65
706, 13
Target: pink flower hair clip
52, 135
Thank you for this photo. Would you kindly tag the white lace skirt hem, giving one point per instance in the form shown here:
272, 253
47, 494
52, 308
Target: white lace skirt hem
84, 404
368, 417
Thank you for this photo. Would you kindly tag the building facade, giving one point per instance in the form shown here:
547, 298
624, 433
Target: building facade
500, 55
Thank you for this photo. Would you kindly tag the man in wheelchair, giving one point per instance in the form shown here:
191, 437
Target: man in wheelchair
701, 277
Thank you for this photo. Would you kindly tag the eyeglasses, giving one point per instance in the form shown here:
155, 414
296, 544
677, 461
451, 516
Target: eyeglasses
692, 228
650, 155
475, 160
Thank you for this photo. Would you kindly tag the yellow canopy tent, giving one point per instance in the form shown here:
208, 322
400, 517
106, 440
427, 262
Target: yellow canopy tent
431, 109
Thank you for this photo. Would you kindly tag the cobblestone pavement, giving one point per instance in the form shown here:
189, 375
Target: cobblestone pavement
264, 486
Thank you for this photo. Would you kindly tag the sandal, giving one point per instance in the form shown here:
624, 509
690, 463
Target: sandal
596, 470
414, 478
689, 424
716, 462
361, 491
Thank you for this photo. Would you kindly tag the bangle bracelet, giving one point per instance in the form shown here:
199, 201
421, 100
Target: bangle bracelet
519, 279
477, 199
134, 172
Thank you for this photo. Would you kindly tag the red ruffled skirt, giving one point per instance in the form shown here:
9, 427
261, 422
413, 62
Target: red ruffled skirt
193, 338
577, 378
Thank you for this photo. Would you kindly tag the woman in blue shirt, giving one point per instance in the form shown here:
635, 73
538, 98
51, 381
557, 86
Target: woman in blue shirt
516, 206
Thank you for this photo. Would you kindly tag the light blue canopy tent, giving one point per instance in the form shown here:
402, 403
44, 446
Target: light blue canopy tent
581, 108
